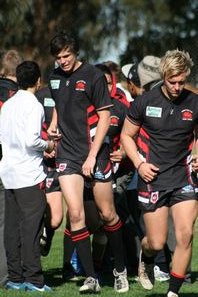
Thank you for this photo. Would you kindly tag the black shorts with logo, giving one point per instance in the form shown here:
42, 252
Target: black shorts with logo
52, 182
102, 171
150, 201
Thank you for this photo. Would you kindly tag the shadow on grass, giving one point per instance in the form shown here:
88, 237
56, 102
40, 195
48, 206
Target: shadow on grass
194, 276
53, 277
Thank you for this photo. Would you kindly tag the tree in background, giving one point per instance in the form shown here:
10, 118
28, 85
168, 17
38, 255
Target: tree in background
147, 27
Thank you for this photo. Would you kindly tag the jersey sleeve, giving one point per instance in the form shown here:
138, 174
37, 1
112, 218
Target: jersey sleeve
136, 111
100, 95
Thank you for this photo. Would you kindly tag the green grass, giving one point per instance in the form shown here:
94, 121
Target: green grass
52, 269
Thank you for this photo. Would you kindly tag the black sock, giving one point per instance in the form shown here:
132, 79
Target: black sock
114, 235
146, 259
175, 282
68, 247
81, 239
163, 267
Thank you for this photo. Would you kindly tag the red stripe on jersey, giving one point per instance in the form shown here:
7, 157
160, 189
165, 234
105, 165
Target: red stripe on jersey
144, 194
81, 236
93, 119
116, 142
144, 133
143, 146
90, 108
108, 167
44, 134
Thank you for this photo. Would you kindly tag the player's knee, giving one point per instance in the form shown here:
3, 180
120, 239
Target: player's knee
156, 244
56, 222
184, 237
108, 215
76, 217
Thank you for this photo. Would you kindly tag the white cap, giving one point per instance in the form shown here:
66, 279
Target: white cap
148, 70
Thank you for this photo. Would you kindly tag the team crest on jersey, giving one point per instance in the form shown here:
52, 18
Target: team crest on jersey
67, 83
154, 197
80, 85
62, 166
49, 182
114, 121
187, 115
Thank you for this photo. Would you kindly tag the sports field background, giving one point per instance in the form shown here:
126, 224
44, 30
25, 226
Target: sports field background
52, 265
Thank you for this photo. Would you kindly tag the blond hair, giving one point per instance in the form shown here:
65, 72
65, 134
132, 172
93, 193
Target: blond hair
175, 62
10, 60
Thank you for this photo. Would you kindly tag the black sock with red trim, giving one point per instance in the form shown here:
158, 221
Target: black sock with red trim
115, 238
175, 282
68, 247
81, 239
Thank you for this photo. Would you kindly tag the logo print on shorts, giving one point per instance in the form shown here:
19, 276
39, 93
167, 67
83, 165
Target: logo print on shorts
80, 85
187, 115
62, 166
49, 182
154, 197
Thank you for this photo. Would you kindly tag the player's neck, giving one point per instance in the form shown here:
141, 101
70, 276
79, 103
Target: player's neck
168, 96
77, 65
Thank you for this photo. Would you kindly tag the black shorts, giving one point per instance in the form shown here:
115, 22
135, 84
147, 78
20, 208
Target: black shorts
150, 201
102, 171
52, 182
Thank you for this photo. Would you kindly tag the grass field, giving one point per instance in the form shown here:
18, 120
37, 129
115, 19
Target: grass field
52, 269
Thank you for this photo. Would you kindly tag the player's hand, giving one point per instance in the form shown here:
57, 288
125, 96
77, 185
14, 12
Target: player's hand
116, 156
50, 147
53, 133
50, 155
148, 171
195, 164
88, 166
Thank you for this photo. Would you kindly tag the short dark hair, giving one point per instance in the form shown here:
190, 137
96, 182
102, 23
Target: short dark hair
63, 40
104, 68
27, 74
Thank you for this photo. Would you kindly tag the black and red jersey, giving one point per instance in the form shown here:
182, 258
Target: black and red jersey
78, 96
118, 114
44, 97
166, 136
7, 89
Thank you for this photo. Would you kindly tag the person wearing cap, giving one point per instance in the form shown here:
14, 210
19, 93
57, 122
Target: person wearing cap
148, 71
165, 123
130, 72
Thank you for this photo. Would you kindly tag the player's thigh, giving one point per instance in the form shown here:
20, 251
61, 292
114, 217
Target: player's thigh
103, 195
156, 224
55, 206
72, 188
184, 216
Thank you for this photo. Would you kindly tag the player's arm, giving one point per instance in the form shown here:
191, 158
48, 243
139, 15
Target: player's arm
195, 151
146, 170
52, 129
